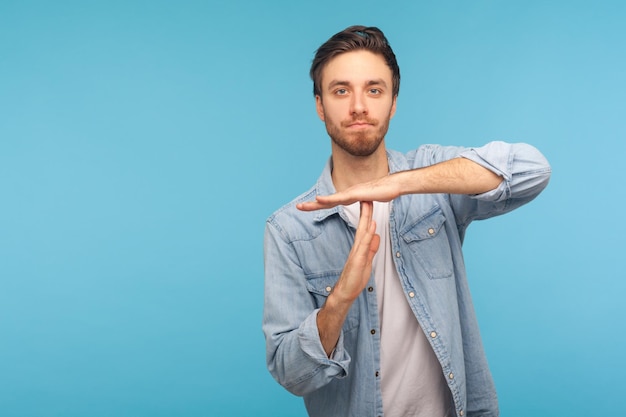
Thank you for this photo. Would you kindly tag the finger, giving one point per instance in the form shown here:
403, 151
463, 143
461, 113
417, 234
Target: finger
374, 245
320, 203
309, 206
366, 245
367, 209
366, 226
335, 199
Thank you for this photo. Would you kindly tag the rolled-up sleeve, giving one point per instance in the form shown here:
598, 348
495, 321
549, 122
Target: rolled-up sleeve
294, 353
524, 170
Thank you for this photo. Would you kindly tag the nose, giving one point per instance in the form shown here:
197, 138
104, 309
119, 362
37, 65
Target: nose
358, 105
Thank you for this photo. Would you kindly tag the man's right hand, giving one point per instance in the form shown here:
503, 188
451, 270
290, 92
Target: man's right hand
355, 276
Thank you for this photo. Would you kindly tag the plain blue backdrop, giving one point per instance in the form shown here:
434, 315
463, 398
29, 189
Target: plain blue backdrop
144, 143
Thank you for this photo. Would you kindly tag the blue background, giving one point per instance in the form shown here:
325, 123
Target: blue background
144, 143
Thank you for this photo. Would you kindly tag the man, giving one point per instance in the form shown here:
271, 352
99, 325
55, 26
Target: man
367, 307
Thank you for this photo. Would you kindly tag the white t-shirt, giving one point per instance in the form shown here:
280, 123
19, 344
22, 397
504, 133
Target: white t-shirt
412, 382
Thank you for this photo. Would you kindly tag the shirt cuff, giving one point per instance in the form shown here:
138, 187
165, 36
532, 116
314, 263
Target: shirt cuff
495, 157
311, 345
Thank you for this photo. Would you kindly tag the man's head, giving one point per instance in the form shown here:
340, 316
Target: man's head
354, 38
356, 80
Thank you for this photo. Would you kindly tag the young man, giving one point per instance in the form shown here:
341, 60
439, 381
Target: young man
367, 306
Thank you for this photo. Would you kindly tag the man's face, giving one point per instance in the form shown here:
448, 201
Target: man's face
356, 103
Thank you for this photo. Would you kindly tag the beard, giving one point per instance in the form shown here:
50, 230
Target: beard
358, 143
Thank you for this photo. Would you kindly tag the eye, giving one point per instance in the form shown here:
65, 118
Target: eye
341, 92
375, 91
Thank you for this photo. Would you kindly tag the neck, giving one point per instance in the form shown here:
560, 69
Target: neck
349, 170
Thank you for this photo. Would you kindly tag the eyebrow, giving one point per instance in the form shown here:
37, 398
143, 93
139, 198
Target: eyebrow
376, 81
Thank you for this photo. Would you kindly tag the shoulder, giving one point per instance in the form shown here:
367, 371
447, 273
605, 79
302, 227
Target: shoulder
291, 223
289, 209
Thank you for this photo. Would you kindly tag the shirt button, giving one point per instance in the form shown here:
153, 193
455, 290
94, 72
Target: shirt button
433, 334
370, 289
328, 289
411, 294
461, 413
431, 231
451, 375
373, 331
397, 254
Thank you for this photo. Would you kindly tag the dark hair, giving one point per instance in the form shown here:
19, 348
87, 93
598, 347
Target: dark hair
354, 38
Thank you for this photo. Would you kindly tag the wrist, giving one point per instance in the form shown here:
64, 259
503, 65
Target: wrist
338, 303
407, 182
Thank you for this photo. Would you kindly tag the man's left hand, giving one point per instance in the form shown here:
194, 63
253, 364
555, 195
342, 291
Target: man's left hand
383, 190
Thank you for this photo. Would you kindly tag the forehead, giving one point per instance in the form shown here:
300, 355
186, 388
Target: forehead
356, 67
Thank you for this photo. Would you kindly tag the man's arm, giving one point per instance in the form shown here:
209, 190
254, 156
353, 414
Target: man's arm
294, 353
353, 279
455, 176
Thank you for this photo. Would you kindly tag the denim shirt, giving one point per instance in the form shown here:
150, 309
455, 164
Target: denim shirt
305, 253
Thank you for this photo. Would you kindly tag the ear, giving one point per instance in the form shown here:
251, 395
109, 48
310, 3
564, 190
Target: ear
393, 106
319, 107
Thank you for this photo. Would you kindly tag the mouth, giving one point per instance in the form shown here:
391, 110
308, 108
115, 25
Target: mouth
359, 125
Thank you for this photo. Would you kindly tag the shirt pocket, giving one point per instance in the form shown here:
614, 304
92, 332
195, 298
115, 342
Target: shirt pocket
427, 239
321, 286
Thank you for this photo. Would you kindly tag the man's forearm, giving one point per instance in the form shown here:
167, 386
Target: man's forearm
455, 176
330, 320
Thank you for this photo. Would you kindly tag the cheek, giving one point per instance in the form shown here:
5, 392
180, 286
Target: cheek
333, 112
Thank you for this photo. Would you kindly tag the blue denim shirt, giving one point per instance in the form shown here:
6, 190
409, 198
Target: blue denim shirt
305, 253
